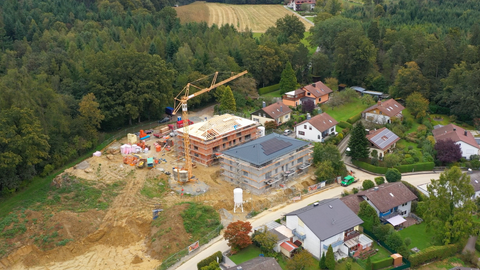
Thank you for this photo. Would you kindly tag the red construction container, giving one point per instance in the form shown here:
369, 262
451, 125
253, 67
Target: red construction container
158, 148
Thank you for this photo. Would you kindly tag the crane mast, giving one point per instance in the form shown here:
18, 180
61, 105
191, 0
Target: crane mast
182, 99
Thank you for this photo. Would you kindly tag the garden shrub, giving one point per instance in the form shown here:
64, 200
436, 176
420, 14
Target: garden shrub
477, 245
268, 89
432, 253
352, 120
211, 258
382, 263
344, 124
370, 167
379, 180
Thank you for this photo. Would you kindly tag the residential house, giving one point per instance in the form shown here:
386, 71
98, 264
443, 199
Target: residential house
280, 231
474, 181
267, 162
382, 140
316, 128
389, 200
318, 92
362, 91
297, 4
277, 112
258, 263
326, 223
383, 112
464, 138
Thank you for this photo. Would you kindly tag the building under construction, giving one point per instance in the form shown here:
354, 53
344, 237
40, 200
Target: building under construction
266, 163
209, 138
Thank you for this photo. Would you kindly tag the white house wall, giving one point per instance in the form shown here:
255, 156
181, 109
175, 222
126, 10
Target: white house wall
311, 242
261, 119
311, 135
407, 208
331, 240
467, 150
377, 118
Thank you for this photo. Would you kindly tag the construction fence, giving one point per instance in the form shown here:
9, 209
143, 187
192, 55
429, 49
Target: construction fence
176, 257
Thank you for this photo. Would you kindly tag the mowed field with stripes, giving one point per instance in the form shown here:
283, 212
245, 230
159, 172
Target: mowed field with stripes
257, 18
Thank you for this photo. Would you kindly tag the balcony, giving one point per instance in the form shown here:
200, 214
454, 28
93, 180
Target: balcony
299, 235
304, 166
351, 235
335, 244
288, 173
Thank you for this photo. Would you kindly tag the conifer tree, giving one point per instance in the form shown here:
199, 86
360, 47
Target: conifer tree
288, 82
330, 259
227, 103
358, 143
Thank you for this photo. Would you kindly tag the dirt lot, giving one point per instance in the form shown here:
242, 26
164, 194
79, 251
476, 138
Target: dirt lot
258, 18
112, 233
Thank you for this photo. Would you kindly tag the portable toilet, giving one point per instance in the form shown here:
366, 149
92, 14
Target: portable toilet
150, 162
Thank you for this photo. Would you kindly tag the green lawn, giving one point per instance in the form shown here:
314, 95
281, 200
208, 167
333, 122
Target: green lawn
446, 120
446, 264
283, 263
342, 113
406, 143
419, 236
408, 115
310, 18
343, 265
381, 254
476, 218
246, 254
273, 94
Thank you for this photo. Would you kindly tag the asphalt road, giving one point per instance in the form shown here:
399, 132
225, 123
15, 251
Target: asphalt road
278, 211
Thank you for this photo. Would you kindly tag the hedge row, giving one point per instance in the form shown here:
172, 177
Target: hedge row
268, 89
370, 167
432, 253
477, 246
344, 124
382, 263
210, 259
425, 166
354, 118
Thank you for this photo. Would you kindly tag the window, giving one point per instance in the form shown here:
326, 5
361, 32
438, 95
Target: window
268, 175
195, 148
301, 133
195, 154
308, 93
381, 112
239, 134
223, 145
276, 170
245, 173
230, 143
290, 158
309, 128
245, 181
256, 120
277, 164
286, 116
240, 140
231, 168
318, 137
225, 139
234, 141
247, 137
304, 126
216, 148
300, 160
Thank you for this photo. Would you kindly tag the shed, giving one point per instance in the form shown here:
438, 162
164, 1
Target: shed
287, 248
397, 259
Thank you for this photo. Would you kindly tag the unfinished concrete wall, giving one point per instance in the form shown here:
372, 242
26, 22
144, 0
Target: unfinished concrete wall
258, 179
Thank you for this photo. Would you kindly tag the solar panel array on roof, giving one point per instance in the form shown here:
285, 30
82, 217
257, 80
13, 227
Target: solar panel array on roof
384, 138
273, 145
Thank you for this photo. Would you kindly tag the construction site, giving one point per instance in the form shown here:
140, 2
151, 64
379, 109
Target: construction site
150, 172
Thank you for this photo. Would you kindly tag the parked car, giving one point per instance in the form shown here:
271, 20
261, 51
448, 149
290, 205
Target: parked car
348, 180
287, 132
164, 120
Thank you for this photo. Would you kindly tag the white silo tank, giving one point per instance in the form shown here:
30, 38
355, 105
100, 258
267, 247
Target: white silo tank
237, 198
261, 131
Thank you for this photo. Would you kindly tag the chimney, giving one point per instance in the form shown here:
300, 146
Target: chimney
308, 116
281, 108
375, 188
379, 103
454, 129
465, 133
263, 104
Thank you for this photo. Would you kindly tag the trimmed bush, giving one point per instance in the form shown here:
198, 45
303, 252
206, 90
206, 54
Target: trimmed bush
432, 253
344, 124
211, 258
370, 167
379, 180
425, 166
382, 263
269, 89
352, 120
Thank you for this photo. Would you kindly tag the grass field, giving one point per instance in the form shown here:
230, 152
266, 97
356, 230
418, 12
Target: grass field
342, 113
246, 254
419, 236
257, 18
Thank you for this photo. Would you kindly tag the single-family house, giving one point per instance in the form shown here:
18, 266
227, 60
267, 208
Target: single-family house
258, 263
316, 128
383, 112
382, 140
278, 112
475, 182
320, 225
297, 4
392, 201
318, 92
464, 138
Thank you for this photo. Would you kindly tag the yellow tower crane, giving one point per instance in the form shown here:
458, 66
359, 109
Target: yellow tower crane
182, 99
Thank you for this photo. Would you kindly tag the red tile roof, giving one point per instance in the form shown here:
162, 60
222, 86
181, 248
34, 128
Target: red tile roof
288, 246
277, 110
456, 134
389, 108
299, 2
322, 122
388, 196
318, 89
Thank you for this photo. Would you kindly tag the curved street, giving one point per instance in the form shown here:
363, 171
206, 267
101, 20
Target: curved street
219, 244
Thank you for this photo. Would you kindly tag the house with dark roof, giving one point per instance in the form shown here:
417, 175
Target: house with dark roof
382, 140
318, 92
316, 128
258, 263
383, 112
322, 224
464, 138
277, 112
267, 162
475, 182
389, 200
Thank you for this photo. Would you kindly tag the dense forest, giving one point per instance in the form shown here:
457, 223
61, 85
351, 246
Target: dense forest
72, 68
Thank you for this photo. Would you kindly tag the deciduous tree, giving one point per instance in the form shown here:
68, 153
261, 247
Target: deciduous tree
367, 184
368, 215
448, 151
410, 79
450, 206
417, 105
332, 83
327, 152
358, 143
300, 261
308, 105
267, 241
91, 116
393, 175
236, 235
